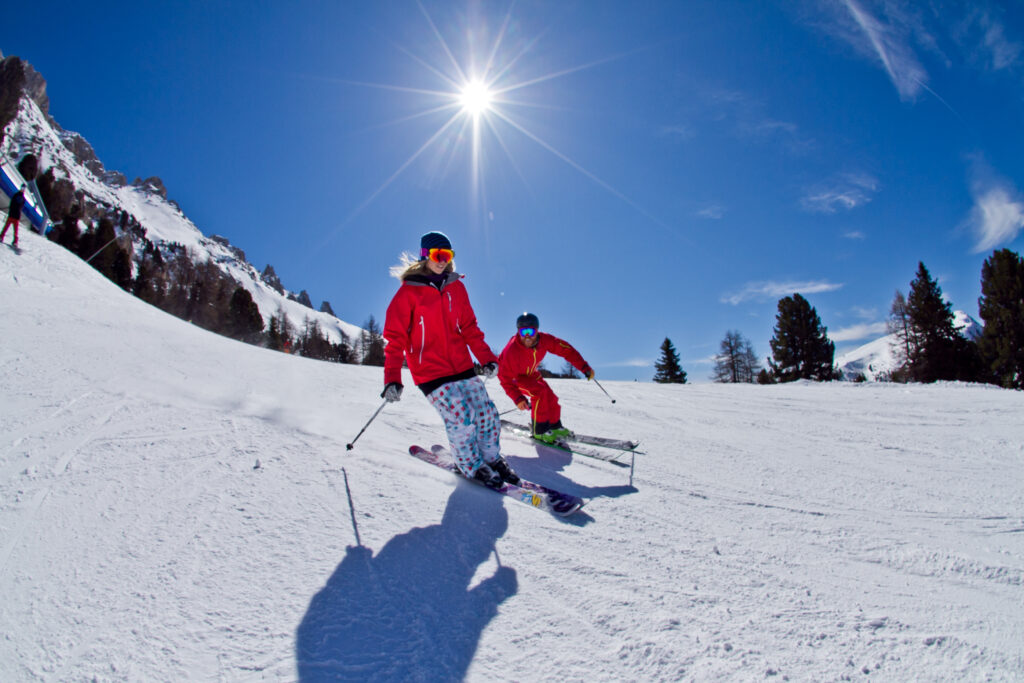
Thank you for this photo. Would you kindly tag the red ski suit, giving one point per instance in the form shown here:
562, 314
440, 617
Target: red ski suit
520, 378
434, 330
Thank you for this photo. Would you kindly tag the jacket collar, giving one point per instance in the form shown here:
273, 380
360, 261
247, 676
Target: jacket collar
425, 281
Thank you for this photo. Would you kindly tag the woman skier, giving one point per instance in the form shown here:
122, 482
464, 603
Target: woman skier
431, 325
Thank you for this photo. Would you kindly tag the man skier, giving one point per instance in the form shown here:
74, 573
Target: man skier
521, 379
14, 214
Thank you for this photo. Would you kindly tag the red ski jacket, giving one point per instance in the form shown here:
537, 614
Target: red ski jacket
433, 330
519, 365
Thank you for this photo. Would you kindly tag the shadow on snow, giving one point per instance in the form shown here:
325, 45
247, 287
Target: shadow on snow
408, 612
547, 468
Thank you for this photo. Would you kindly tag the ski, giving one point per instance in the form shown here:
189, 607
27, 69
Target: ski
524, 434
616, 444
527, 492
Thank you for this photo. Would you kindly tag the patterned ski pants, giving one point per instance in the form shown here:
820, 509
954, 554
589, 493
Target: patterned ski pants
471, 421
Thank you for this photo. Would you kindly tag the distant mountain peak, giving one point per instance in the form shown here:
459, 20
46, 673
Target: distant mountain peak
87, 192
876, 359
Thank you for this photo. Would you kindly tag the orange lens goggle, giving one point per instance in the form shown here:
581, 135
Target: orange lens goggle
438, 255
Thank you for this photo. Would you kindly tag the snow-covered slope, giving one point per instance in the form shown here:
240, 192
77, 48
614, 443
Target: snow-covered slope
876, 359
163, 220
178, 506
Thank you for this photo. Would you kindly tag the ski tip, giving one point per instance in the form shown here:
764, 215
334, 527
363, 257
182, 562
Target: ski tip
569, 511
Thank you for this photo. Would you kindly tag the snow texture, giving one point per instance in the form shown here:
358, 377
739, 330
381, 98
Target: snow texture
175, 505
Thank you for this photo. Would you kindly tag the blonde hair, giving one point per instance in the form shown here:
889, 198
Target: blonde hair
409, 265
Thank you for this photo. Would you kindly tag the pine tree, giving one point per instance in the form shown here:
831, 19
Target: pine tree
933, 338
122, 269
736, 361
279, 333
667, 368
898, 326
373, 343
800, 348
1001, 306
342, 352
569, 372
99, 249
151, 278
58, 194
244, 320
29, 167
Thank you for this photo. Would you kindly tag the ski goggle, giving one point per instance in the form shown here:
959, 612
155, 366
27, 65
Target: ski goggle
437, 255
527, 331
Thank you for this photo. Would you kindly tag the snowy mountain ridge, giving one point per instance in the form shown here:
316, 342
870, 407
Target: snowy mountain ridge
73, 159
875, 359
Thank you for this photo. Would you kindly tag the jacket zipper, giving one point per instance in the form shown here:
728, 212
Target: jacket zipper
423, 338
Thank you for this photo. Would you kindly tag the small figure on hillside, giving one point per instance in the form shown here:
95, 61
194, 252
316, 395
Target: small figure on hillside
14, 214
431, 325
520, 376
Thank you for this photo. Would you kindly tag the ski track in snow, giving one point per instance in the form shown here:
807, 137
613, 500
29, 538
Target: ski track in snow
808, 532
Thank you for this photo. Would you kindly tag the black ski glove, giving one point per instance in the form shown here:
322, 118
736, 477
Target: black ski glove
392, 392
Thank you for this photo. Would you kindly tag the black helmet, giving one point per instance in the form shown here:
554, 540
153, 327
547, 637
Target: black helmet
527, 320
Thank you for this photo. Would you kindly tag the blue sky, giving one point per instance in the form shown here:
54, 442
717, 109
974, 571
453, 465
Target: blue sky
646, 169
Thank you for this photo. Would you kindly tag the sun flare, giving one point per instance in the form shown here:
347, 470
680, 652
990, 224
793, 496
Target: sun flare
476, 98
479, 95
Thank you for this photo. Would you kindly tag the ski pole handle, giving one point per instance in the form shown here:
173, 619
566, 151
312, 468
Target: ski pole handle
602, 389
349, 446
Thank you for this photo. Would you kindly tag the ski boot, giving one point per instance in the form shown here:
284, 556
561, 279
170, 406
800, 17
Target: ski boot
488, 477
551, 433
500, 466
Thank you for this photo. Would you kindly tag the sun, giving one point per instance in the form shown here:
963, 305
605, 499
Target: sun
476, 98
479, 96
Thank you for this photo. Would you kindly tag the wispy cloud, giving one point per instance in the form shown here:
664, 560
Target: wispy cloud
772, 130
845, 193
747, 119
761, 291
899, 36
713, 212
855, 235
1004, 53
982, 36
679, 132
889, 42
865, 313
997, 216
631, 363
860, 331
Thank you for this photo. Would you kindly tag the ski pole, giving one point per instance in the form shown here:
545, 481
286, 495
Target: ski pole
602, 389
351, 508
348, 446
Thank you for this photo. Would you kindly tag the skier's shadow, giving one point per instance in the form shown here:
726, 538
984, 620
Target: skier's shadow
408, 613
546, 468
